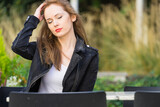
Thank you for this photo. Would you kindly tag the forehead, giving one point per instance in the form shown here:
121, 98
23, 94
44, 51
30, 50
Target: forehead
53, 9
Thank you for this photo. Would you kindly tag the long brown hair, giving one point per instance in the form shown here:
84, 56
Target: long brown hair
48, 44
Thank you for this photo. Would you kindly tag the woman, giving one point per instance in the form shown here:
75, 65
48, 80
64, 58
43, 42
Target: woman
61, 60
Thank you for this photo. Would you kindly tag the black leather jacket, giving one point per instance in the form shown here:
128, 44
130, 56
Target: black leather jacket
81, 73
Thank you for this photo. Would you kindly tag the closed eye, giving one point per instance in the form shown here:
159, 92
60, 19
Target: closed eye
50, 21
59, 17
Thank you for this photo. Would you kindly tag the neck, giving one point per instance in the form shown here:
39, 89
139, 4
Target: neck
68, 41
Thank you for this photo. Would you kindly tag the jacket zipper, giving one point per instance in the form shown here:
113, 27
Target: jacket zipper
37, 79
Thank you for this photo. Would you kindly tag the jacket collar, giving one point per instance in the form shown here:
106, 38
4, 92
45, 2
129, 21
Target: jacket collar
80, 45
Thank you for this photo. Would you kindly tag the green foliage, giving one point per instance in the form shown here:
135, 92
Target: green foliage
21, 6
15, 67
113, 34
4, 61
20, 69
148, 81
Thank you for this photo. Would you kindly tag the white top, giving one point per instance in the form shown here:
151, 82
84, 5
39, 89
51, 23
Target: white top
52, 81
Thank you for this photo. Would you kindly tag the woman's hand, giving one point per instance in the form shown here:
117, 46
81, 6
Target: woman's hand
39, 11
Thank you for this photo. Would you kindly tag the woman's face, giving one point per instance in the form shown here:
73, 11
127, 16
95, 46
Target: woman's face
59, 21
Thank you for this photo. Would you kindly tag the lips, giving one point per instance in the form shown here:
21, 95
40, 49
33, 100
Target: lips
58, 30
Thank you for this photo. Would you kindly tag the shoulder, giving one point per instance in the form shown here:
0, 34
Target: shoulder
91, 50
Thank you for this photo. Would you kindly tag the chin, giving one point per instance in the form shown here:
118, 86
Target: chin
60, 34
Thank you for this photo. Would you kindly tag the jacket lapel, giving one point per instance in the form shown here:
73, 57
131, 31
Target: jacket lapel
76, 57
72, 65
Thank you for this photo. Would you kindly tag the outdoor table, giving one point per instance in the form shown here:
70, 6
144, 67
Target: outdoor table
127, 95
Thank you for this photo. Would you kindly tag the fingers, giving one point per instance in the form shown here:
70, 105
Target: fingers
42, 17
40, 8
39, 11
42, 5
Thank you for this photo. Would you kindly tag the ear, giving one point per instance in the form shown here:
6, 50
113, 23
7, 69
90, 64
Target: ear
73, 18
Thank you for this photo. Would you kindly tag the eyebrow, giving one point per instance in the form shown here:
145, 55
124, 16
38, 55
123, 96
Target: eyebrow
54, 15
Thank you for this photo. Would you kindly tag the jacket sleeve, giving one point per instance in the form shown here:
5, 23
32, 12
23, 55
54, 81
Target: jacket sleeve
21, 44
90, 77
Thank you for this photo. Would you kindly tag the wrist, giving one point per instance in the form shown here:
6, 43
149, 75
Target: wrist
36, 16
32, 19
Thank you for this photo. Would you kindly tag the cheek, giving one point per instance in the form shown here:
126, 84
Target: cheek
67, 23
50, 27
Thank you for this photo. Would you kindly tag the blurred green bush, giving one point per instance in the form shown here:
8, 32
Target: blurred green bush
12, 67
112, 31
4, 62
24, 6
20, 68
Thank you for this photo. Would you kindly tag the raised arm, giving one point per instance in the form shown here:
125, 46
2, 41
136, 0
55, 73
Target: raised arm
21, 44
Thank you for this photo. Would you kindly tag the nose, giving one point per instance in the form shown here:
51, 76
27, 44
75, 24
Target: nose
55, 23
